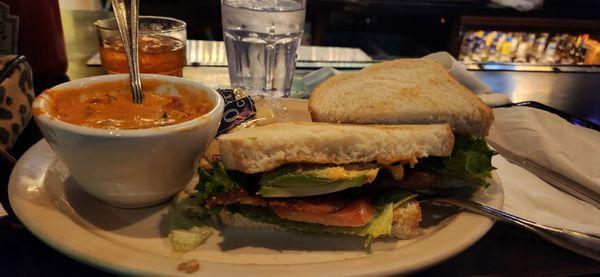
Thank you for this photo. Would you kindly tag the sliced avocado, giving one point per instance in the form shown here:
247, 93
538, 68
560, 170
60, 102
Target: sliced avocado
294, 180
292, 175
307, 180
323, 188
314, 175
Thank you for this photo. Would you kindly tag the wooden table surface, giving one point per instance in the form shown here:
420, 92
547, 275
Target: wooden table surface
505, 250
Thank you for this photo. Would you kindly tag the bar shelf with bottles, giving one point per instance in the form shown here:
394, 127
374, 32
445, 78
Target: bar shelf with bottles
524, 51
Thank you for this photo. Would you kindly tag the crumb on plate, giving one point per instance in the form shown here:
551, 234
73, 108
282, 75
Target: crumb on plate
189, 266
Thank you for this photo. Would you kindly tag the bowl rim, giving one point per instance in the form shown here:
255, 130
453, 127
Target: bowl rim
43, 116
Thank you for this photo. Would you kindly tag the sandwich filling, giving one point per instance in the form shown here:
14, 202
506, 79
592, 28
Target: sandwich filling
304, 193
300, 198
356, 199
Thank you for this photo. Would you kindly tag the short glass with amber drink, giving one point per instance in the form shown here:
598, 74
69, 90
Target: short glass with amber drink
161, 45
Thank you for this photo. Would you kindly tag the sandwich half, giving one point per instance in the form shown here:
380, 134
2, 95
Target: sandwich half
325, 178
403, 91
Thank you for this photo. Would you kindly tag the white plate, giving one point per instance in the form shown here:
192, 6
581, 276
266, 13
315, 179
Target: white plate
133, 241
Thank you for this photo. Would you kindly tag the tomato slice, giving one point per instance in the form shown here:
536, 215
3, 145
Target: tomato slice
356, 214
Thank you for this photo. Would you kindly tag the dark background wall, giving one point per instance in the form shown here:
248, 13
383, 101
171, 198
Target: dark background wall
389, 28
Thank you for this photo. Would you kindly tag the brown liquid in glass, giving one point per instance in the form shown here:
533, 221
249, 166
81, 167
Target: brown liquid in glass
158, 54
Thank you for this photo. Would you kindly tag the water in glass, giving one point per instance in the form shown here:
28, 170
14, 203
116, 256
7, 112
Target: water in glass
261, 38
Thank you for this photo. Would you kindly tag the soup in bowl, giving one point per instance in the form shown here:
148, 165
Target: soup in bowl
126, 154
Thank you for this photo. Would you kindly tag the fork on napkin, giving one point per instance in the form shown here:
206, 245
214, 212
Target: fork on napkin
555, 144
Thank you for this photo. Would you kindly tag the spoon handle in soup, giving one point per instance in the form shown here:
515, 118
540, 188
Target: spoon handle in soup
138, 96
129, 33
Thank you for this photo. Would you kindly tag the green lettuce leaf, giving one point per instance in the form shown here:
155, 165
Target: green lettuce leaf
188, 220
188, 217
215, 181
186, 212
398, 197
470, 161
184, 240
379, 226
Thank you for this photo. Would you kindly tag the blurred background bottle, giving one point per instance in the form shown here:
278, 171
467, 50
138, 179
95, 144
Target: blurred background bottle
522, 49
541, 44
550, 52
581, 49
506, 50
531, 48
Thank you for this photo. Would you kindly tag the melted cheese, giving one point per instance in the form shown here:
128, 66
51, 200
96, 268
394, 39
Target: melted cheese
339, 173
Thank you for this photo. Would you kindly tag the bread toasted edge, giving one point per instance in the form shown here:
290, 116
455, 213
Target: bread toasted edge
407, 218
487, 118
322, 87
249, 153
477, 125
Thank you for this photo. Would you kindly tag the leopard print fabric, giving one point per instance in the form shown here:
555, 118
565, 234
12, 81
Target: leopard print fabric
16, 96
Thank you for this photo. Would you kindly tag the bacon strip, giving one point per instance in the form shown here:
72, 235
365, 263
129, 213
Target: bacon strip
356, 214
329, 210
236, 197
320, 205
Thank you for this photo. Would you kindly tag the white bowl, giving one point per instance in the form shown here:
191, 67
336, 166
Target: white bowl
131, 168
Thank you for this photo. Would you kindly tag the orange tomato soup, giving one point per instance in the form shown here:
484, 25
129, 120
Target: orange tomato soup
109, 105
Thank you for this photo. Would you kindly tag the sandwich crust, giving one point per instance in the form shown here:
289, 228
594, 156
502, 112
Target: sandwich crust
404, 91
267, 147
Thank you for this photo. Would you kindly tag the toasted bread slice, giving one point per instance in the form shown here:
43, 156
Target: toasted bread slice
405, 91
405, 225
267, 147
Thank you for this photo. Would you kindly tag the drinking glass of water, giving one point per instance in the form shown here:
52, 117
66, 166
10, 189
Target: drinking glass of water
261, 38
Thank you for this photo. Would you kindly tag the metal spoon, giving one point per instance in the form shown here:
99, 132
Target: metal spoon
584, 244
129, 36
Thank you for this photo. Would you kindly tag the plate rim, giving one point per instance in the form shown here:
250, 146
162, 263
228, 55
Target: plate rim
122, 267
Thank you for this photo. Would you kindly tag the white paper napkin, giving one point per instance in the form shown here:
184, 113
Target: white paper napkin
554, 143
551, 142
529, 197
468, 79
459, 72
521, 5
